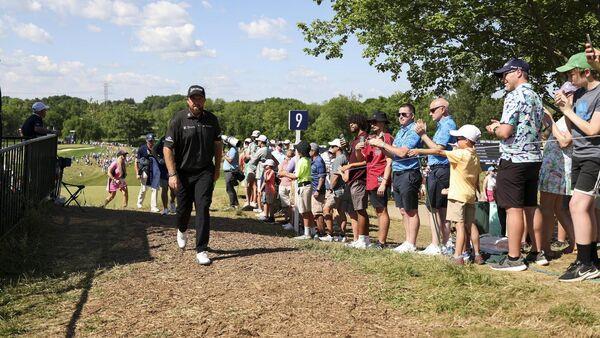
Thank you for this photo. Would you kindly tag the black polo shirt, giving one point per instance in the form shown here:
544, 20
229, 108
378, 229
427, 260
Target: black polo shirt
193, 140
28, 128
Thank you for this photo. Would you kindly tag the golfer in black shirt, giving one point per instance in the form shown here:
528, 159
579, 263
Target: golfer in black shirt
193, 151
34, 125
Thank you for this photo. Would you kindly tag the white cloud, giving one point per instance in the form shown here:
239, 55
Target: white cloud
172, 42
94, 28
265, 28
31, 32
21, 5
97, 9
125, 13
23, 74
273, 54
306, 73
164, 13
206, 4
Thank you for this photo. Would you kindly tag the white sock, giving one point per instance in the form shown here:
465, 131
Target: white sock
306, 231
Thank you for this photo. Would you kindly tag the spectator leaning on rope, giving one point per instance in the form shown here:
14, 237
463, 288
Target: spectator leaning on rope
438, 177
582, 111
379, 172
519, 132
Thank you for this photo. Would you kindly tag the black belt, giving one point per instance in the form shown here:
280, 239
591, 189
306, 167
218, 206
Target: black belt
433, 166
303, 184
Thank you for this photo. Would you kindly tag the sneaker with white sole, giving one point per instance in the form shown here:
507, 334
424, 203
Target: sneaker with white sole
578, 271
340, 238
326, 238
510, 265
155, 210
257, 210
431, 250
181, 239
262, 218
302, 237
139, 206
405, 247
202, 258
358, 244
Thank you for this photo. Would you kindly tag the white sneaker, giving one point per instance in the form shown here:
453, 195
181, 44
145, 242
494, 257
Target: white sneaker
165, 212
302, 237
357, 245
431, 250
257, 210
327, 238
202, 258
341, 239
405, 247
253, 205
139, 206
155, 210
262, 218
181, 239
288, 226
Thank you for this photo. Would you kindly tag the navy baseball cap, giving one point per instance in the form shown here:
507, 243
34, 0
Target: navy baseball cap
512, 64
150, 137
196, 90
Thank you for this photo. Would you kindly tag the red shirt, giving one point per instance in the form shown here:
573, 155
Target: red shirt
376, 162
359, 173
269, 176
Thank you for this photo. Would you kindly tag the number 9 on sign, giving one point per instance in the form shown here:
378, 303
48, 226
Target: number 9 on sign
298, 120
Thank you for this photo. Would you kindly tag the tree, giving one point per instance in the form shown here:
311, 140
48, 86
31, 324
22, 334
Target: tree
439, 41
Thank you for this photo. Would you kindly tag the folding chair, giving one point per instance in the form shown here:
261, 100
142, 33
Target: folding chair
73, 194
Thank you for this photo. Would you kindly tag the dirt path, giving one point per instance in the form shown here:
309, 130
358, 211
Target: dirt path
259, 284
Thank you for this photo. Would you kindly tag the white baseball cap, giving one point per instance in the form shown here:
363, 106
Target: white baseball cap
269, 162
286, 141
468, 131
272, 142
336, 142
262, 138
248, 140
255, 133
39, 106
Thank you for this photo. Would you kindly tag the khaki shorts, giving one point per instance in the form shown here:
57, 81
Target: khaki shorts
358, 194
317, 204
303, 199
460, 212
285, 194
329, 200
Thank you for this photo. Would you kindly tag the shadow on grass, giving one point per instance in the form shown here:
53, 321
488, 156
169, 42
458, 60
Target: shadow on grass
227, 254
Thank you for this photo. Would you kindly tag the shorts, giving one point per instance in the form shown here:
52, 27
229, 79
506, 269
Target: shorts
164, 184
303, 199
437, 180
517, 184
269, 197
358, 195
317, 204
406, 189
460, 212
285, 193
329, 200
378, 202
251, 177
585, 175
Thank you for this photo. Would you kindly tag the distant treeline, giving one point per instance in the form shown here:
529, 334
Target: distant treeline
127, 121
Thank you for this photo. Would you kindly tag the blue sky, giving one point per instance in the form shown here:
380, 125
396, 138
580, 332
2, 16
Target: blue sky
238, 50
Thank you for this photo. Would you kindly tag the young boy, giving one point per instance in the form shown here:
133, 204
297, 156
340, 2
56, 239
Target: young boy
268, 186
304, 193
464, 182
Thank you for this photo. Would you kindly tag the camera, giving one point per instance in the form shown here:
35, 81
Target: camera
232, 141
64, 162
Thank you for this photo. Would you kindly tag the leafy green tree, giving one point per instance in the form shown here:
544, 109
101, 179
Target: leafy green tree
438, 42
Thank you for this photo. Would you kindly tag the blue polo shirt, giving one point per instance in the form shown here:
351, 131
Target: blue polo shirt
233, 154
406, 137
317, 170
442, 137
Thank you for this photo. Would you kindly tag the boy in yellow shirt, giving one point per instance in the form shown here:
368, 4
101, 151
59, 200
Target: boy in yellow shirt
464, 182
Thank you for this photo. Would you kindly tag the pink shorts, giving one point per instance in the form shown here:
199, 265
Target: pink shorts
113, 186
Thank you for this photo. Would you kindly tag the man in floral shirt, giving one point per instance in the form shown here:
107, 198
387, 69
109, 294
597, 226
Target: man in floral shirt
519, 133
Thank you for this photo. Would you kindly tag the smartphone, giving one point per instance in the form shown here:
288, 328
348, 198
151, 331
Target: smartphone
589, 41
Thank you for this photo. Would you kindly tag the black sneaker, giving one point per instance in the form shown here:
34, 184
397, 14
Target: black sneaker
538, 258
377, 246
578, 271
508, 265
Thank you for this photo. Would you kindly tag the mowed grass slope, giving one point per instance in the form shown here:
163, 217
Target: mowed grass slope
448, 300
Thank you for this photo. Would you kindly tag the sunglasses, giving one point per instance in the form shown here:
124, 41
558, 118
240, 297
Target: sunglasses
403, 114
432, 110
460, 138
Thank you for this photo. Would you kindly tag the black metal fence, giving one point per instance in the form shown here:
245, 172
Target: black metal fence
28, 173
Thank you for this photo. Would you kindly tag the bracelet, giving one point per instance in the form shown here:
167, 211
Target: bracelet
173, 174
